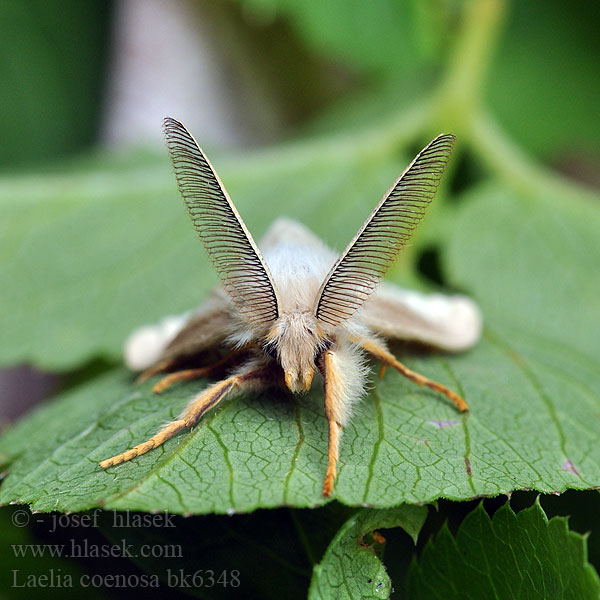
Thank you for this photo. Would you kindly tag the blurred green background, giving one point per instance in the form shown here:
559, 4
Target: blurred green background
333, 63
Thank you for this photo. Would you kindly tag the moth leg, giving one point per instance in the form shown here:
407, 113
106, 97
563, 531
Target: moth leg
197, 407
334, 411
387, 358
198, 373
160, 367
184, 375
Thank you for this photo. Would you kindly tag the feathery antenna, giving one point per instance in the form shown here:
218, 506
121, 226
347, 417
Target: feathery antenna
389, 227
218, 224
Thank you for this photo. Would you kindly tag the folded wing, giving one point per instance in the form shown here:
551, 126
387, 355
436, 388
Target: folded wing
452, 323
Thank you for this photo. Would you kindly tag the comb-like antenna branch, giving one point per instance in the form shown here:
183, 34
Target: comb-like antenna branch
389, 227
218, 224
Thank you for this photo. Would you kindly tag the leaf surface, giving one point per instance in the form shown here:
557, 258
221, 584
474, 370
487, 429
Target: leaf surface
508, 556
351, 566
404, 445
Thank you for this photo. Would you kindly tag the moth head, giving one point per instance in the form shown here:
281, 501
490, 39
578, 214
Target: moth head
296, 339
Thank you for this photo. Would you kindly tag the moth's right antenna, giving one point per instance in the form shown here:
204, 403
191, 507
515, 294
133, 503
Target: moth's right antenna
218, 224
377, 243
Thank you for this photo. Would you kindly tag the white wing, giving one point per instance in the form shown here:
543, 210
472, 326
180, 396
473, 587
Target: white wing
181, 335
146, 344
449, 322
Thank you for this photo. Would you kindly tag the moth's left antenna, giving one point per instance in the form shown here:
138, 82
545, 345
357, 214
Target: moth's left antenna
228, 242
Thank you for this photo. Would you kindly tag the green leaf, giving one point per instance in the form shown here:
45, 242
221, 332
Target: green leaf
509, 556
545, 82
50, 96
351, 567
531, 264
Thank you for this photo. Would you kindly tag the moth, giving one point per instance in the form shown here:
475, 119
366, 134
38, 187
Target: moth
294, 308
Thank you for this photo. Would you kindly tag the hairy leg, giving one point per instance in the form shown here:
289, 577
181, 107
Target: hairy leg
160, 367
334, 411
387, 358
252, 379
189, 374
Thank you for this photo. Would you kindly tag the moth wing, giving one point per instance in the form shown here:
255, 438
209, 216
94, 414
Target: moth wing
206, 328
452, 323
181, 335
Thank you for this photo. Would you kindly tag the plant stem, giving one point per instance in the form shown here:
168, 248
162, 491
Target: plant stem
460, 92
515, 167
458, 107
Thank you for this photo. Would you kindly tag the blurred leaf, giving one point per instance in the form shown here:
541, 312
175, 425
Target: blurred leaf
351, 567
545, 81
51, 69
388, 38
509, 556
531, 264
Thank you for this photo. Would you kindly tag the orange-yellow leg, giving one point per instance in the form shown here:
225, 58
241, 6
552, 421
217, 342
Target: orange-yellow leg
177, 376
203, 402
333, 449
190, 374
155, 369
387, 358
334, 411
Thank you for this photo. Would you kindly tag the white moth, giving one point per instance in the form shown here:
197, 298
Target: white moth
294, 308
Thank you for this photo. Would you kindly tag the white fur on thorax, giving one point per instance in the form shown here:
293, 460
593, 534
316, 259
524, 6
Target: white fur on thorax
297, 274
298, 262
